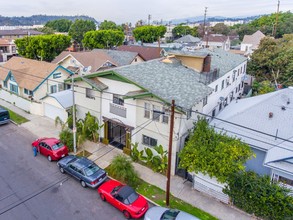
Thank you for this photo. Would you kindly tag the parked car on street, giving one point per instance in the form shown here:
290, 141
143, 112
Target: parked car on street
51, 148
124, 198
4, 116
86, 171
161, 213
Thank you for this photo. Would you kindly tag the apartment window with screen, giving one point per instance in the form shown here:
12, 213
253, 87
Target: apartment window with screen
223, 83
149, 141
53, 88
89, 93
165, 117
147, 110
117, 99
156, 113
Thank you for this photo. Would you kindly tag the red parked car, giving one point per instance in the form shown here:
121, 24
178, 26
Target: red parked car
124, 198
52, 148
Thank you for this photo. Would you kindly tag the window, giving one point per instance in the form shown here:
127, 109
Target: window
238, 72
156, 113
89, 93
117, 99
216, 88
239, 87
13, 88
149, 141
60, 87
205, 101
56, 75
5, 84
223, 82
214, 113
25, 91
165, 118
28, 92
220, 107
147, 110
241, 70
53, 88
233, 77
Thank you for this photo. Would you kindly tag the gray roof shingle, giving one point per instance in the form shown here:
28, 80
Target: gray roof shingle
122, 58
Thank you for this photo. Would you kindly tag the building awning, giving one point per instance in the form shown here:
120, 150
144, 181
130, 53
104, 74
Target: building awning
118, 122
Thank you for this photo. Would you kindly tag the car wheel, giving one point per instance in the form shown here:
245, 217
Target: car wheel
49, 158
83, 184
103, 198
126, 215
61, 169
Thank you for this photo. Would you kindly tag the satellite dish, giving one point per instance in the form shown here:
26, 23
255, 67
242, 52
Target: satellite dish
89, 68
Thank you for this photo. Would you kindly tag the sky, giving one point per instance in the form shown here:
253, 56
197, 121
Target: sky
122, 11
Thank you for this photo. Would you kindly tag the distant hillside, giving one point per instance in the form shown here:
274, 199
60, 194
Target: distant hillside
39, 19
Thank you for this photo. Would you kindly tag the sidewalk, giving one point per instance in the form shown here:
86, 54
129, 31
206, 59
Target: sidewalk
103, 154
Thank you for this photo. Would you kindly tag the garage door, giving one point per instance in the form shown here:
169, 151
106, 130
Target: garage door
52, 112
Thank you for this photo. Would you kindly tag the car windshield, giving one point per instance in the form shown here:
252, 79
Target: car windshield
91, 169
169, 214
57, 146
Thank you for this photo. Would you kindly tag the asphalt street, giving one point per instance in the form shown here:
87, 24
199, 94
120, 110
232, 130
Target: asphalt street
33, 188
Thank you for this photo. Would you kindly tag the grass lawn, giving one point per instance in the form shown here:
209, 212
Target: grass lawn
15, 117
158, 196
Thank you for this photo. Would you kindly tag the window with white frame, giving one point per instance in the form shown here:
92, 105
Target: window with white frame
216, 88
28, 92
89, 93
147, 110
13, 88
151, 142
117, 99
53, 89
165, 116
156, 113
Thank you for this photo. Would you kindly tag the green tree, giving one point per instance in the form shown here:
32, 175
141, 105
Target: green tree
61, 25
272, 61
42, 47
149, 33
103, 39
109, 25
213, 153
46, 30
79, 28
221, 28
181, 30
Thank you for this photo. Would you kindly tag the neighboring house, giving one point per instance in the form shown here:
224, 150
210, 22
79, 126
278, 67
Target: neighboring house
189, 41
146, 53
133, 102
25, 82
87, 62
216, 41
7, 49
251, 42
18, 33
224, 72
257, 116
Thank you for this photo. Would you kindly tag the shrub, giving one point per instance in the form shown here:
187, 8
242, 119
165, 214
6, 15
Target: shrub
66, 137
122, 169
257, 195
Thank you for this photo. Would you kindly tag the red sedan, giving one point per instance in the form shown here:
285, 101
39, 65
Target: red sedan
124, 198
52, 148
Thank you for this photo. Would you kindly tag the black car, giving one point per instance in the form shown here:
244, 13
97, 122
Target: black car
83, 169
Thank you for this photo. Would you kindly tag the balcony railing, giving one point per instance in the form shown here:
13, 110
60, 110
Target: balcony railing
118, 110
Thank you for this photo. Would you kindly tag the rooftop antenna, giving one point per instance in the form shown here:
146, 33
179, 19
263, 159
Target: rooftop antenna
205, 30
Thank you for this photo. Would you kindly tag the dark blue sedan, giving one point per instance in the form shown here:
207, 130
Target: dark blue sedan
83, 169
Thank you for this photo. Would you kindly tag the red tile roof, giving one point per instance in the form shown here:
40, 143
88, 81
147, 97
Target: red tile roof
147, 53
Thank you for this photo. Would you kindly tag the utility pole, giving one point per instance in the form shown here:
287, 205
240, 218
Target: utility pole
170, 153
73, 115
277, 15
205, 30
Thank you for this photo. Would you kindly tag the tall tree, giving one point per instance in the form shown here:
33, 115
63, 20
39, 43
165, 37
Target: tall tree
109, 25
61, 25
103, 39
42, 47
149, 33
79, 28
182, 30
213, 153
221, 28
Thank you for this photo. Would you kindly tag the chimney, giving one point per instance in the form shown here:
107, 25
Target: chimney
271, 114
207, 64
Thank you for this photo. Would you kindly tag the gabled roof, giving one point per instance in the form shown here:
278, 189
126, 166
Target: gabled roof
166, 81
215, 38
253, 39
187, 39
97, 84
254, 114
147, 53
5, 42
28, 73
122, 58
95, 59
